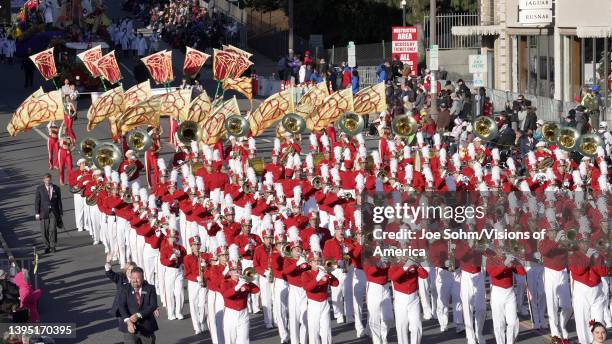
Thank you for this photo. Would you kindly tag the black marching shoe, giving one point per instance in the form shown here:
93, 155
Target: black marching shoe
47, 250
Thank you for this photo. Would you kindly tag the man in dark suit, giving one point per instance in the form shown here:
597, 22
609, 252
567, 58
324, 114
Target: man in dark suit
137, 304
49, 211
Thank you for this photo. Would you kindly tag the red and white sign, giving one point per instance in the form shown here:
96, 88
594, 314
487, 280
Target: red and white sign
405, 44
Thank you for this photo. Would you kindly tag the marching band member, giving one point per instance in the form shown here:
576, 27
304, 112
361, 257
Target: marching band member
152, 158
236, 292
262, 262
406, 303
378, 298
316, 282
293, 267
64, 157
171, 256
53, 144
131, 165
503, 298
337, 248
195, 263
588, 268
215, 275
472, 292
248, 242
75, 179
280, 303
111, 201
69, 116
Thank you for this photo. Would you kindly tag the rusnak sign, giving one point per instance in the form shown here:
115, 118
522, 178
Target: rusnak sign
535, 12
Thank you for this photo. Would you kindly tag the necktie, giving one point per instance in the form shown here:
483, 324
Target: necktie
49, 191
138, 300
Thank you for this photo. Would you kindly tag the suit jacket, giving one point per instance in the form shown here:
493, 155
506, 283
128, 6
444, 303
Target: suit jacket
128, 306
44, 205
121, 281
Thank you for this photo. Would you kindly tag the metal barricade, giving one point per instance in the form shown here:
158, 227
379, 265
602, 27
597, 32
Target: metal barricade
22, 259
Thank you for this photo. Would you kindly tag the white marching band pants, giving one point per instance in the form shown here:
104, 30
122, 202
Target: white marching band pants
359, 291
474, 307
214, 317
280, 307
606, 284
407, 311
79, 212
448, 292
150, 257
319, 322
297, 305
92, 222
428, 295
380, 311
173, 285
535, 293
589, 304
265, 292
342, 295
197, 305
503, 312
556, 287
121, 230
236, 329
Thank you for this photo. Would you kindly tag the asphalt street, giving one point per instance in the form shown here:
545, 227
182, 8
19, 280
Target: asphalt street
75, 289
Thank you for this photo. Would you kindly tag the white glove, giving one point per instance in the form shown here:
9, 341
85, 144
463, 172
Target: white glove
590, 252
203, 264
453, 246
240, 284
300, 261
107, 266
269, 199
177, 253
508, 261
247, 247
537, 256
37, 216
268, 273
320, 276
345, 249
173, 257
157, 233
199, 279
560, 236
226, 270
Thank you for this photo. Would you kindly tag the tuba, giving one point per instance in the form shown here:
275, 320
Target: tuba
404, 126
249, 274
139, 140
237, 126
485, 128
189, 131
588, 143
293, 123
568, 137
87, 146
351, 123
106, 154
550, 132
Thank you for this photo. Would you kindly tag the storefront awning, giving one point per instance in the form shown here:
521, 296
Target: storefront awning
486, 30
593, 31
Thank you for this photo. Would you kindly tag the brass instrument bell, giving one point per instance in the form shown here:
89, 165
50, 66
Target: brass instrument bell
485, 128
330, 264
87, 146
404, 126
568, 138
249, 274
550, 132
258, 165
588, 143
236, 125
189, 131
382, 175
351, 123
286, 250
139, 140
107, 154
293, 123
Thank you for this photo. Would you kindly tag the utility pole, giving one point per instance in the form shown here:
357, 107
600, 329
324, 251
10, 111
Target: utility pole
432, 41
290, 45
403, 3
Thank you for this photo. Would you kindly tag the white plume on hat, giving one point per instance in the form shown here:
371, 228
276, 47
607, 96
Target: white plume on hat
233, 253
228, 201
582, 168
135, 187
108, 171
246, 212
436, 139
325, 140
471, 150
115, 177
278, 189
419, 137
407, 152
207, 152
194, 147
408, 174
478, 170
143, 194
603, 183
511, 165
297, 194
161, 164
251, 176
496, 173
324, 171
297, 161
357, 218
603, 167
335, 174
482, 186
392, 147
293, 234
337, 153
151, 202
251, 142
550, 175
362, 152
524, 187
359, 182
359, 138
495, 154
531, 158
279, 228
339, 213
425, 152
576, 178
216, 156
268, 178
456, 161
185, 170
443, 157
200, 183
393, 166
165, 209
376, 157
427, 174
313, 141
346, 154
289, 164
221, 241
315, 243
191, 182
309, 162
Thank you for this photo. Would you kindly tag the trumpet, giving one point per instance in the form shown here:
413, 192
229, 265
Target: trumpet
201, 271
286, 251
249, 274
126, 196
329, 265
382, 175
570, 239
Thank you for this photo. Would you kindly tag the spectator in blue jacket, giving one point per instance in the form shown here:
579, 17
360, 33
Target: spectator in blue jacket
355, 81
316, 77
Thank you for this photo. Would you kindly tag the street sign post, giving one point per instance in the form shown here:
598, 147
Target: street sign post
477, 63
434, 57
405, 45
352, 61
